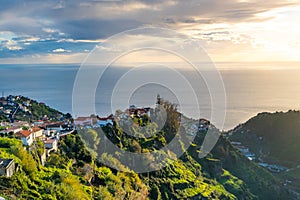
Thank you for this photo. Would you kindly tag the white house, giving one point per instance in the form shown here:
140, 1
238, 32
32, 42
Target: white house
11, 98
55, 127
50, 145
37, 132
7, 111
24, 108
10, 103
20, 124
85, 121
7, 167
26, 137
26, 103
13, 129
105, 121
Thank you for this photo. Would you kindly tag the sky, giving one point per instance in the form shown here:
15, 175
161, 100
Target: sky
54, 31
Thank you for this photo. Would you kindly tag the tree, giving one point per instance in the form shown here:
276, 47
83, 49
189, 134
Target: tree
135, 147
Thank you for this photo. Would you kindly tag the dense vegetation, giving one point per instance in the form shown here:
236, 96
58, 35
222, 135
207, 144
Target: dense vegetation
65, 176
274, 138
75, 171
277, 135
36, 111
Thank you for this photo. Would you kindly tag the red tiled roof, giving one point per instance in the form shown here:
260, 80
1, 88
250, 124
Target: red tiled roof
24, 133
36, 128
84, 118
12, 129
49, 141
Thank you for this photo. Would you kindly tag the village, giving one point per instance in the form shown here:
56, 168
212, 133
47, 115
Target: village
46, 130
49, 131
120, 117
251, 156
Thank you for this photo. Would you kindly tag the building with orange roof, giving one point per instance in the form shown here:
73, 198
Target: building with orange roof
85, 121
37, 132
26, 136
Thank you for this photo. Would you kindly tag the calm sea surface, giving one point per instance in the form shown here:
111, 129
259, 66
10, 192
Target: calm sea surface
259, 87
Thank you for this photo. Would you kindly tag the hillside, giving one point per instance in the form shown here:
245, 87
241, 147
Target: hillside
275, 139
75, 170
277, 136
224, 174
25, 109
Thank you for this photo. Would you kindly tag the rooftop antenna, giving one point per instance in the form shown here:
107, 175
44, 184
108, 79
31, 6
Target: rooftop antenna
2, 93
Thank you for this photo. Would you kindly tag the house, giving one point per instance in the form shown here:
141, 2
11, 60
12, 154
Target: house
11, 98
132, 110
236, 143
7, 111
85, 121
23, 108
50, 133
26, 137
13, 129
104, 121
242, 149
39, 122
7, 167
4, 123
26, 103
204, 124
10, 103
54, 126
37, 132
20, 124
50, 145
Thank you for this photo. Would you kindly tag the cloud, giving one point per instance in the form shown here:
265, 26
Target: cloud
69, 27
59, 5
61, 50
10, 45
37, 46
93, 29
96, 19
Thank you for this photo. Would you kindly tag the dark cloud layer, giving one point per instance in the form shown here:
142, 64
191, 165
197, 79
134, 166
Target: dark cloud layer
54, 20
92, 29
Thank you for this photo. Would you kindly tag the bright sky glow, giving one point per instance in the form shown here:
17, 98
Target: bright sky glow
231, 31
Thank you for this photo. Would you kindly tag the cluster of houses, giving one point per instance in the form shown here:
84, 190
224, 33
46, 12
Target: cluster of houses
46, 131
244, 150
192, 127
125, 118
121, 117
272, 167
9, 106
39, 130
134, 111
93, 122
49, 132
251, 156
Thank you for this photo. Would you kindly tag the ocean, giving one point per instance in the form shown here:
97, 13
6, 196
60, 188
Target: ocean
250, 88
